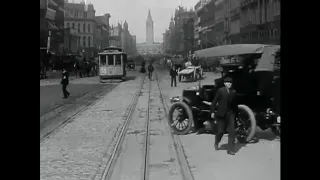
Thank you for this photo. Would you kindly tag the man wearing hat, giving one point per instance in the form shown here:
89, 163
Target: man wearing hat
225, 114
65, 82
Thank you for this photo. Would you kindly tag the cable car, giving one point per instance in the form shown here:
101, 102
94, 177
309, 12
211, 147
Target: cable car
112, 63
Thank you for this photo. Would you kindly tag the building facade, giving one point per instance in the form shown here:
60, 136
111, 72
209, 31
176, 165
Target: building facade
260, 21
51, 25
169, 38
120, 36
182, 16
101, 34
149, 49
206, 12
71, 39
81, 17
115, 35
233, 22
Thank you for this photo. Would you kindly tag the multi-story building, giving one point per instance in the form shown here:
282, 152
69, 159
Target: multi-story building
196, 25
206, 24
260, 21
51, 25
182, 16
232, 21
101, 34
169, 38
81, 17
128, 42
115, 35
166, 41
71, 39
188, 34
220, 24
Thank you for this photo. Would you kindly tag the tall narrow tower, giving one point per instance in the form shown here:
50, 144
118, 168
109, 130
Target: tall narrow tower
149, 30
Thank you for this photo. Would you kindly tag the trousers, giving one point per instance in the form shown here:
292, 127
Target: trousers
228, 120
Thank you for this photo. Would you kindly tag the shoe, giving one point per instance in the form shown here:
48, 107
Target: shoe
231, 153
201, 131
216, 147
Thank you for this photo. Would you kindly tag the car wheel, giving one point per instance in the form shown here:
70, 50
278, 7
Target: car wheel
246, 124
183, 122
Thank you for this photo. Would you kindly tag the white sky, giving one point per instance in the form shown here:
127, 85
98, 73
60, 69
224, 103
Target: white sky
136, 12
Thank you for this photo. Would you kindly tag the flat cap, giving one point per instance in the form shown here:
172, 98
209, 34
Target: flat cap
227, 79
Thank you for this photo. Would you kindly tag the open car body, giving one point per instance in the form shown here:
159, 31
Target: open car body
189, 70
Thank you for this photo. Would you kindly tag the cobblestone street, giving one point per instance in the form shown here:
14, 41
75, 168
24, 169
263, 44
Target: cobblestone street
79, 149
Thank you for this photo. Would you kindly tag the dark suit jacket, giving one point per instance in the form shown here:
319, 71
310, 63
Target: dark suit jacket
173, 73
65, 78
226, 101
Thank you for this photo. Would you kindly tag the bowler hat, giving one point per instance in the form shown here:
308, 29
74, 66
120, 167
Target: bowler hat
227, 79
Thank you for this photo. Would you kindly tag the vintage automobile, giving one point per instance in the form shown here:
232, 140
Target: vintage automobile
191, 72
256, 81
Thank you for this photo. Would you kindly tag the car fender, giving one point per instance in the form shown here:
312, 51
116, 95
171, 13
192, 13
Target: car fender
186, 100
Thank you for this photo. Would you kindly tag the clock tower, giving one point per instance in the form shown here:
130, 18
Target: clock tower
149, 29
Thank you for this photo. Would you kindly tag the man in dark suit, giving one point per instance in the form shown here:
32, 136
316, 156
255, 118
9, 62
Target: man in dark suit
225, 114
150, 70
173, 74
65, 82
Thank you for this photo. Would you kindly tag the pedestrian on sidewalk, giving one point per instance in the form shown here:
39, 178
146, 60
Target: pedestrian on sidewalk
173, 74
65, 82
225, 116
150, 70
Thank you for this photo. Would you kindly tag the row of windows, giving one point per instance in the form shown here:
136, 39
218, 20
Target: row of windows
73, 25
114, 43
111, 59
86, 41
75, 13
275, 33
260, 15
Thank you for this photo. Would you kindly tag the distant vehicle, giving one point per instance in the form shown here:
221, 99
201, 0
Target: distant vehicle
191, 72
112, 63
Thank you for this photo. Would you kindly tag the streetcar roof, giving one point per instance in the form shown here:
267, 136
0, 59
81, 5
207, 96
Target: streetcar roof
110, 52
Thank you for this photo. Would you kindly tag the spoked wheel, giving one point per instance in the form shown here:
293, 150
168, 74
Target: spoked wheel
180, 118
246, 124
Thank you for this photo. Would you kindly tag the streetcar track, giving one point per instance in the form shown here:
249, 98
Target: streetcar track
107, 174
147, 139
69, 119
107, 171
112, 161
183, 162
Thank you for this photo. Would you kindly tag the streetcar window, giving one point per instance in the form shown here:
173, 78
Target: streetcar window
118, 59
103, 60
110, 60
